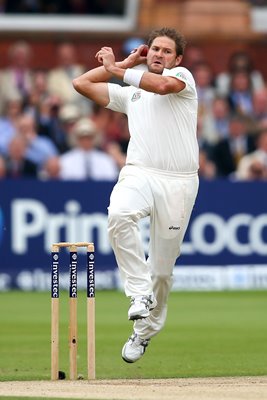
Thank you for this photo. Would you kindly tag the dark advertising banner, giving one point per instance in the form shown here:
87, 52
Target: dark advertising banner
225, 245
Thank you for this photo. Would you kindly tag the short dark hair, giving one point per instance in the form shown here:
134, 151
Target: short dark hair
171, 33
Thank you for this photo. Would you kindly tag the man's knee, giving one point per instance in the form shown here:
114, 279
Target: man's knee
119, 221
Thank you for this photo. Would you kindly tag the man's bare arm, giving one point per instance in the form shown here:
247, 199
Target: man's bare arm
93, 84
151, 82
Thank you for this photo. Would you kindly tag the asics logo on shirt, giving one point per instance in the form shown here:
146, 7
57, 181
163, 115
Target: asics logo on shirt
175, 228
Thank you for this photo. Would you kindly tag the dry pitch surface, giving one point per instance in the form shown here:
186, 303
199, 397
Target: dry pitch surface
241, 388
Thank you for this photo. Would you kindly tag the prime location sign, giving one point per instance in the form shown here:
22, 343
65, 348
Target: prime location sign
228, 229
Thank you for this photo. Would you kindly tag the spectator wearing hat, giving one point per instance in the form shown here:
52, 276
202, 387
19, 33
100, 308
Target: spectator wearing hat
85, 161
68, 115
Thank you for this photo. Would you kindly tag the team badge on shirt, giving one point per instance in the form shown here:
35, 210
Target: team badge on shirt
181, 75
136, 96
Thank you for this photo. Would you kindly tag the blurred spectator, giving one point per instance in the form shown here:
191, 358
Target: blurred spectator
205, 91
2, 168
227, 153
193, 56
239, 61
254, 165
17, 77
116, 127
204, 82
55, 121
60, 78
240, 93
115, 151
117, 146
17, 164
102, 117
39, 90
85, 161
51, 169
46, 117
69, 114
39, 148
12, 111
262, 125
207, 168
216, 122
260, 104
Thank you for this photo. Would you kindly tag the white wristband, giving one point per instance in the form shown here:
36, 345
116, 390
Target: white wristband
133, 77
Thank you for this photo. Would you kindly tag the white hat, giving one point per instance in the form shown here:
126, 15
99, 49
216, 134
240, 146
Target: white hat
69, 112
85, 127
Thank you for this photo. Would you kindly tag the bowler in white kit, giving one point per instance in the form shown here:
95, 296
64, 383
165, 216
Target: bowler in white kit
160, 178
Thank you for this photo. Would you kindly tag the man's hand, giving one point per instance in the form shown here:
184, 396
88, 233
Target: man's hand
136, 57
106, 57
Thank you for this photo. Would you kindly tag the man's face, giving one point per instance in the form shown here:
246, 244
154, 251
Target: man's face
162, 54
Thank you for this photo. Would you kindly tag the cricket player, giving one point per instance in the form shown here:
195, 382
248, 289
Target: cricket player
160, 178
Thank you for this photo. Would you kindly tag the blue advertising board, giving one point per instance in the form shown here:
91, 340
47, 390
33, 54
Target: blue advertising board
225, 245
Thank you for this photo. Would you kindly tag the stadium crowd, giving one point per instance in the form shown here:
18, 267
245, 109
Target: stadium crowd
49, 131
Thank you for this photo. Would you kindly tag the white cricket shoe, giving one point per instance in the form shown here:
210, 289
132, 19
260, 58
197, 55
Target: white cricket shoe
141, 306
134, 348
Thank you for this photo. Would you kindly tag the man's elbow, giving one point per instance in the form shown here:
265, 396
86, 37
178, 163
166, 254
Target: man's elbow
76, 83
162, 88
169, 85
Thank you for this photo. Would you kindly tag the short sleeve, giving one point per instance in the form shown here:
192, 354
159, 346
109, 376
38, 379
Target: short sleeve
118, 97
184, 75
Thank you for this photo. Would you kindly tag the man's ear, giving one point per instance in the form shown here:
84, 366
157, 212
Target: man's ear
178, 60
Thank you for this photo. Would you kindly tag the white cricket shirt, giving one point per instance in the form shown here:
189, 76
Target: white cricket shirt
162, 127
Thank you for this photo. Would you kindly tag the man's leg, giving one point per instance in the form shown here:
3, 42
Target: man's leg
169, 222
130, 201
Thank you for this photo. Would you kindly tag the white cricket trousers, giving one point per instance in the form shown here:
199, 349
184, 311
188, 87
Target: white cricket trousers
168, 199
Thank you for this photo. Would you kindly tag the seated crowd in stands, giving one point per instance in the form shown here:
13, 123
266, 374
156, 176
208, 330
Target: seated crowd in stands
49, 131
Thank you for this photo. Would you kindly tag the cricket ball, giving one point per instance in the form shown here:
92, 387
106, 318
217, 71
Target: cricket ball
144, 52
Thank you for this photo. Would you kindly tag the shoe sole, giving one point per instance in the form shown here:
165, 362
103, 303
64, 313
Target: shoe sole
126, 360
134, 317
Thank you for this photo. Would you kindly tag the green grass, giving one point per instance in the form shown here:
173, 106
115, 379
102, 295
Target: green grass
206, 334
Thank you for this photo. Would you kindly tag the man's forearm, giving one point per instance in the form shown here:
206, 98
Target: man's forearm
100, 74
